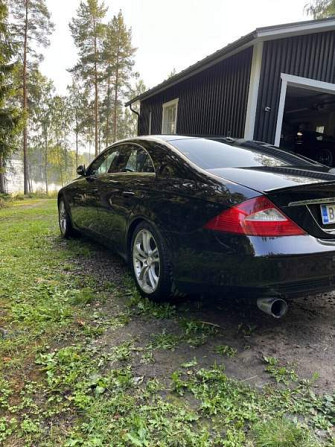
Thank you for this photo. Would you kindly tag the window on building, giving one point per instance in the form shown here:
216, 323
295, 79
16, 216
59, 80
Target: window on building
169, 120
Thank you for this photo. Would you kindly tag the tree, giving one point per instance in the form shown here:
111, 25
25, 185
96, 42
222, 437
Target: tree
32, 25
321, 9
42, 108
10, 117
88, 30
80, 113
129, 122
119, 59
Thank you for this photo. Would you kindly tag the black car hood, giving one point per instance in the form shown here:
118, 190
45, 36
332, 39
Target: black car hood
266, 179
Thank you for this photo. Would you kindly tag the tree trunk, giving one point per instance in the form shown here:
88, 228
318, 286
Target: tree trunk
96, 99
107, 112
25, 104
2, 177
46, 165
77, 140
115, 101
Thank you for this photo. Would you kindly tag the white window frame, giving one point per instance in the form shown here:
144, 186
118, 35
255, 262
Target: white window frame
174, 102
297, 81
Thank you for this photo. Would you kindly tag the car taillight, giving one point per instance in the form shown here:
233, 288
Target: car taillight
255, 217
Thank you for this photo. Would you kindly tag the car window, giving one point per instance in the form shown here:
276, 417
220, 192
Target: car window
105, 163
138, 161
212, 154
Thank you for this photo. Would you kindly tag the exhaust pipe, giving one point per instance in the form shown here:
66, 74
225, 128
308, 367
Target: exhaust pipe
276, 307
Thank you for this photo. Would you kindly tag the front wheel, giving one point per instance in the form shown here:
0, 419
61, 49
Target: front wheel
150, 263
65, 224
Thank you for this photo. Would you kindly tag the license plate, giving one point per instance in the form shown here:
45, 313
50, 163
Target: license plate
328, 214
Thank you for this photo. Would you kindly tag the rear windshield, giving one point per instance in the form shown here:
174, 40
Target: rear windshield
213, 154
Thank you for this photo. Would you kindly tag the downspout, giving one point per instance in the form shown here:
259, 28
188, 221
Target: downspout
138, 117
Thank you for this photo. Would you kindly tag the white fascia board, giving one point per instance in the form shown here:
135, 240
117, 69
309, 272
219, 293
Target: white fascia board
296, 30
255, 76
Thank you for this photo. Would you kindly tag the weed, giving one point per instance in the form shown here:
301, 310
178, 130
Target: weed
279, 372
226, 350
282, 433
165, 341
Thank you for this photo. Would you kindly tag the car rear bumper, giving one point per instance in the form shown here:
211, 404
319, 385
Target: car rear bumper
254, 266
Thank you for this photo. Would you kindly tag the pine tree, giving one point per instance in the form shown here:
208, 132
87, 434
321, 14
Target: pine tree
88, 32
32, 25
321, 9
119, 60
10, 117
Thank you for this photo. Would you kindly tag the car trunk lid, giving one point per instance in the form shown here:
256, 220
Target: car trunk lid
303, 195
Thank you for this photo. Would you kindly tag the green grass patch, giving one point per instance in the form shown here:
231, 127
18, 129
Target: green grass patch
65, 381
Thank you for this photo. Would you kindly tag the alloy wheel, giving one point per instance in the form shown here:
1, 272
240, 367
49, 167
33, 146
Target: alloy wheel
62, 217
146, 261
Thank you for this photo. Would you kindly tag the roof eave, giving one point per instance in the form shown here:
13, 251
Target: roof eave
260, 34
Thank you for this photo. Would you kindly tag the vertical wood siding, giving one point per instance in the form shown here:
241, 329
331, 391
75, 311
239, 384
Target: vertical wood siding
311, 56
213, 102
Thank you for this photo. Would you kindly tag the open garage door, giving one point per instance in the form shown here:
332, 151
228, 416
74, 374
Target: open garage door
307, 115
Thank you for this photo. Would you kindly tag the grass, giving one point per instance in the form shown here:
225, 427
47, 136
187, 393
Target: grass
60, 386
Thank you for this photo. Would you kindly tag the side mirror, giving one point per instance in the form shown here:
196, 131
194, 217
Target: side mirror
81, 170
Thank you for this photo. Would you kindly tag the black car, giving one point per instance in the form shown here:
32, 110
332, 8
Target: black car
316, 145
209, 214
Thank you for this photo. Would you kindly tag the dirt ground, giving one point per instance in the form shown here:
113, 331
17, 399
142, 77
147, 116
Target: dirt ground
302, 340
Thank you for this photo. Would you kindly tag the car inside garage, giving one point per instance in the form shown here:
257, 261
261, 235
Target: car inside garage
309, 124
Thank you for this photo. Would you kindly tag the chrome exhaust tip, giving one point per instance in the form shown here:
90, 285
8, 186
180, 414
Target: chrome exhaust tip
276, 307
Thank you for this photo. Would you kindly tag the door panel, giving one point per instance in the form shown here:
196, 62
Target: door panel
122, 191
121, 194
84, 203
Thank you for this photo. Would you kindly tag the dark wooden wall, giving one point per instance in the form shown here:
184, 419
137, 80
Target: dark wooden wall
310, 56
213, 102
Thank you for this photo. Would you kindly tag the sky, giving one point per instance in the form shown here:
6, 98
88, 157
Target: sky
171, 34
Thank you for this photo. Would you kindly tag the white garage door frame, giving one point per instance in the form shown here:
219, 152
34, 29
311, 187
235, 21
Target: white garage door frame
300, 82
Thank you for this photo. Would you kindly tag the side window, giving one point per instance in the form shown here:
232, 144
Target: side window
105, 163
138, 161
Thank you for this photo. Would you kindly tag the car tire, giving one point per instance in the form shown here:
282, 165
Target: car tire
325, 157
65, 224
150, 263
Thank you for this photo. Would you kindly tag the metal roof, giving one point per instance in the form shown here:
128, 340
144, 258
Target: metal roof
260, 34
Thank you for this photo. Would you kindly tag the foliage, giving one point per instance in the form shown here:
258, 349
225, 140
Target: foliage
118, 55
31, 27
88, 31
10, 116
282, 433
321, 9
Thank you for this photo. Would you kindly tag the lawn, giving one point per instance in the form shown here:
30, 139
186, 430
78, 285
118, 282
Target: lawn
85, 362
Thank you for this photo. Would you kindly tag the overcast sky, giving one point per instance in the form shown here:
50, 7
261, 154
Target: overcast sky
169, 34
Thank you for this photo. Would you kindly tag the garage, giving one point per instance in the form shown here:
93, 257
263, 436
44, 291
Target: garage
308, 120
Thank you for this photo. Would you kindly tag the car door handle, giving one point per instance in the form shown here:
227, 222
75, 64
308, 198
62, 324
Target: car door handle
128, 193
